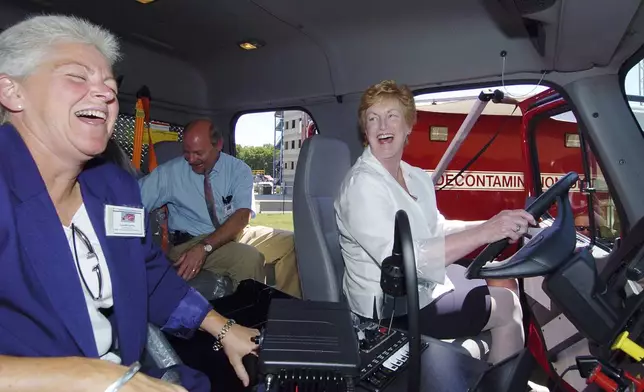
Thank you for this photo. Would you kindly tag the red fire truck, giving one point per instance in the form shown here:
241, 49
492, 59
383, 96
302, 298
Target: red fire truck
497, 157
508, 148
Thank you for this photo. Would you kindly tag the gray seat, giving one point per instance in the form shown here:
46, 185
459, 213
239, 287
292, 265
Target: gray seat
321, 167
165, 151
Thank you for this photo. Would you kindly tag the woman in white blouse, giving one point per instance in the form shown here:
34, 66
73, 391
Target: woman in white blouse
378, 185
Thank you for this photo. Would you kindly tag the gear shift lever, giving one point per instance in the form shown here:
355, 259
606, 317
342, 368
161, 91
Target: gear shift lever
398, 278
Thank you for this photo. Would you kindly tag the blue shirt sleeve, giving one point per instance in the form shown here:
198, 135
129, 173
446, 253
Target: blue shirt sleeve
154, 188
242, 187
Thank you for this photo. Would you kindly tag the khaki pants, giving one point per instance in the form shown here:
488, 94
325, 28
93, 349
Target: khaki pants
278, 248
246, 257
239, 261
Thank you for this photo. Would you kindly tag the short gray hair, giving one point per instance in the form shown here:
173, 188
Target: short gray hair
25, 44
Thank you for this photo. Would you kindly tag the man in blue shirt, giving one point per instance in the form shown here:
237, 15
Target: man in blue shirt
208, 194
209, 198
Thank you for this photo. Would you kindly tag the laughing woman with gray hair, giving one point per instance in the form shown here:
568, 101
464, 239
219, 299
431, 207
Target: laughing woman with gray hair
80, 277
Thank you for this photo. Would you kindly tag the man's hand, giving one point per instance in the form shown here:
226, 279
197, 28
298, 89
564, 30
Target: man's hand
190, 262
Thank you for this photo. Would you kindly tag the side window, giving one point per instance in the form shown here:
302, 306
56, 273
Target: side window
560, 149
267, 143
634, 88
607, 224
486, 174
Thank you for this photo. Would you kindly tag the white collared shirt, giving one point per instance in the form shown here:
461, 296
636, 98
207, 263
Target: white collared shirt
365, 208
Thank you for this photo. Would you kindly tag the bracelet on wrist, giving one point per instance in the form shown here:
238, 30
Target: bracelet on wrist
218, 345
131, 372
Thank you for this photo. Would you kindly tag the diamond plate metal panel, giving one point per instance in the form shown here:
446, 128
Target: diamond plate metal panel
124, 134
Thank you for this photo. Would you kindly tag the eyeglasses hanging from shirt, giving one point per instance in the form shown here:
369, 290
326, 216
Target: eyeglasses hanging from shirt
91, 254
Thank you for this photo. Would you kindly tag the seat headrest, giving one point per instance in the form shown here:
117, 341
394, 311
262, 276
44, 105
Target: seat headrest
167, 151
327, 161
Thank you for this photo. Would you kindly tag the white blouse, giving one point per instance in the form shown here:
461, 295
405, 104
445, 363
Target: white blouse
365, 208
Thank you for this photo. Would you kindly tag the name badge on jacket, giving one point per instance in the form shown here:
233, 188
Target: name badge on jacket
124, 221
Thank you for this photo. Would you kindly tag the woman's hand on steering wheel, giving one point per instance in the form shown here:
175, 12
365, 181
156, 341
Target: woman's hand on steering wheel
510, 224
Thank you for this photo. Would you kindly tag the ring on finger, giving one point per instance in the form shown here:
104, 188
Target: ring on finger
518, 228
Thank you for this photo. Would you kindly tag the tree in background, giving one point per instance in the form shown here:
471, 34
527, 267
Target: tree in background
258, 158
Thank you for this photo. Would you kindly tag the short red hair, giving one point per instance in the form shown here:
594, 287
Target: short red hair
387, 89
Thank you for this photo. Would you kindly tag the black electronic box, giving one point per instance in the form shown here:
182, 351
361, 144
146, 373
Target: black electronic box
309, 342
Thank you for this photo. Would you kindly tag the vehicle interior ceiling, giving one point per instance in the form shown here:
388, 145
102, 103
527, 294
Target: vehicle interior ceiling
321, 55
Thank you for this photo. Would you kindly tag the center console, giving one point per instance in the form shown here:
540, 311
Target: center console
383, 353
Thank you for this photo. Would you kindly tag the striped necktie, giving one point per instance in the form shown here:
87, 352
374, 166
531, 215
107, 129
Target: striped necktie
210, 200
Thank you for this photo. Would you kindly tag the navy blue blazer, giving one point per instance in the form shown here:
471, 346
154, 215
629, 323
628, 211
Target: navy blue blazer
42, 307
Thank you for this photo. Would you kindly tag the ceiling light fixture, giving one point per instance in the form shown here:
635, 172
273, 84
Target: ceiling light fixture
251, 44
145, 1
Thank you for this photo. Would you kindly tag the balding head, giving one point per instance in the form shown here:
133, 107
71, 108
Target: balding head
201, 145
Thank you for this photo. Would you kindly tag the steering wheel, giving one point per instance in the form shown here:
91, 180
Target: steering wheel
544, 252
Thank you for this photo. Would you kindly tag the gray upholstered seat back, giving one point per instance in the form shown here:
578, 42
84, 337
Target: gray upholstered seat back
165, 150
321, 168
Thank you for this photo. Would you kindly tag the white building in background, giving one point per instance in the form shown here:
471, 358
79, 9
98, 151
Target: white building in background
295, 125
291, 146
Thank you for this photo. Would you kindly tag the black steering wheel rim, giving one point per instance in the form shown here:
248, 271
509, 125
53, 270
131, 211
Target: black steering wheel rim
537, 209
